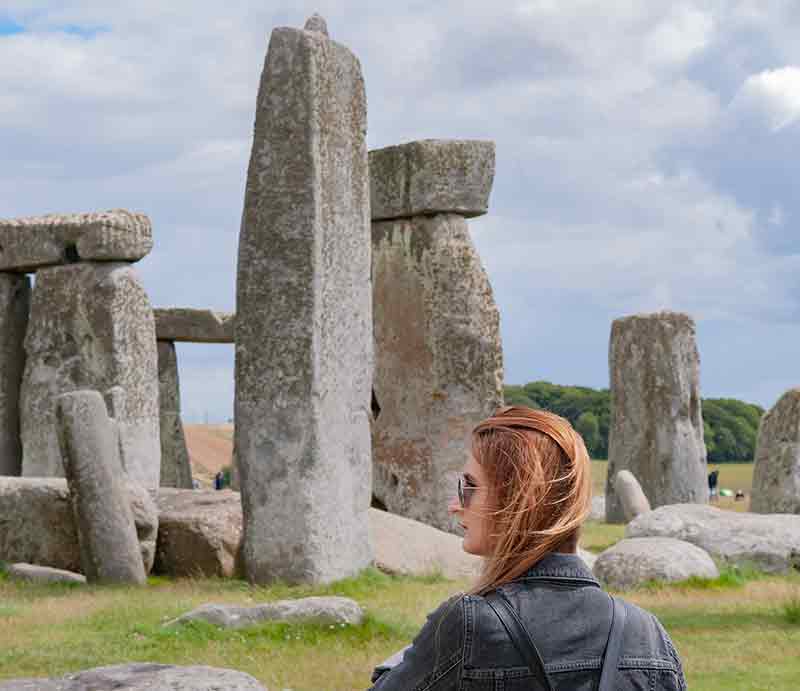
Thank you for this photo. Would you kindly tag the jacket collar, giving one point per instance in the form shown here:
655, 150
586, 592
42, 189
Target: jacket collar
560, 565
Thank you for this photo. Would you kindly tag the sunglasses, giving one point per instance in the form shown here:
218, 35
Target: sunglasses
465, 491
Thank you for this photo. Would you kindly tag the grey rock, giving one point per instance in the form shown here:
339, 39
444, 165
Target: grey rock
37, 524
33, 242
316, 23
438, 361
176, 469
771, 542
106, 530
91, 327
634, 561
776, 471
194, 326
33, 573
304, 316
598, 512
324, 611
200, 533
142, 676
431, 176
656, 427
630, 495
15, 293
589, 558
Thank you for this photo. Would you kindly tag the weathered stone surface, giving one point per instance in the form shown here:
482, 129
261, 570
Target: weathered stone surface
438, 361
656, 428
598, 512
770, 542
325, 611
776, 471
142, 676
176, 470
200, 532
431, 176
106, 531
304, 318
15, 294
193, 325
630, 495
91, 327
29, 243
37, 525
32, 573
316, 23
634, 561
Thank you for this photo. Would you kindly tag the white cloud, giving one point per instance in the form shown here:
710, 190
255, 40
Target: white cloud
773, 95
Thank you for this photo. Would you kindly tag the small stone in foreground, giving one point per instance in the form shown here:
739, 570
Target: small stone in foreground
324, 611
142, 676
630, 495
42, 574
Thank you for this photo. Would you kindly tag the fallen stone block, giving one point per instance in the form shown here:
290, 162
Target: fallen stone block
103, 516
33, 242
635, 561
193, 325
37, 525
770, 542
32, 573
431, 176
200, 532
142, 676
324, 611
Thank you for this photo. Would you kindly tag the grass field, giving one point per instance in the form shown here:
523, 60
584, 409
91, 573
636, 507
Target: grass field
735, 633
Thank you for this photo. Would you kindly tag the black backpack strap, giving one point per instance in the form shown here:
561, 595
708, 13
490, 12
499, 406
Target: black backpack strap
519, 635
611, 655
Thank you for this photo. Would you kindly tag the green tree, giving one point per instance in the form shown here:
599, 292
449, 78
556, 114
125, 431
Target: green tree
588, 427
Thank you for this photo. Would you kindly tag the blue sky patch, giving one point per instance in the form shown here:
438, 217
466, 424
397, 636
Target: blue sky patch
8, 27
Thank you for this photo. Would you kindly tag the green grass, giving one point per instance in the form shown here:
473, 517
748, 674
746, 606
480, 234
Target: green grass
740, 631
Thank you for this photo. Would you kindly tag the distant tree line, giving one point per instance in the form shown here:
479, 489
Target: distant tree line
729, 425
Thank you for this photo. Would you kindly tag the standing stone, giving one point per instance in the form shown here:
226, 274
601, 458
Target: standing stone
438, 361
776, 472
91, 326
106, 530
656, 428
193, 325
304, 318
630, 495
15, 294
176, 471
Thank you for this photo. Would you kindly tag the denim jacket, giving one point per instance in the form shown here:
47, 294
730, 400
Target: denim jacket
464, 647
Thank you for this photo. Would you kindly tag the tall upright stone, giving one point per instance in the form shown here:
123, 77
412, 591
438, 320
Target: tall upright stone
776, 471
15, 291
304, 317
91, 326
438, 361
176, 471
106, 530
656, 428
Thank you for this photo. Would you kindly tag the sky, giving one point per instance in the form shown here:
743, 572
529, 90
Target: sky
646, 156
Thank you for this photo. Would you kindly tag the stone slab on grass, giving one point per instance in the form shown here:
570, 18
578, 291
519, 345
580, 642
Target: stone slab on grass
194, 325
770, 542
200, 532
324, 611
431, 176
32, 242
635, 561
32, 573
142, 676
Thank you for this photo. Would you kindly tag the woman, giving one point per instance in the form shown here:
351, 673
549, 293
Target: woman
536, 617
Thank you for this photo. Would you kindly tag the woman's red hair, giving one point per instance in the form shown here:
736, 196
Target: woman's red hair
539, 476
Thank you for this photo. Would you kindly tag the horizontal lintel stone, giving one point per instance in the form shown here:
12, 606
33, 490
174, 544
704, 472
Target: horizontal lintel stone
194, 325
32, 242
431, 176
